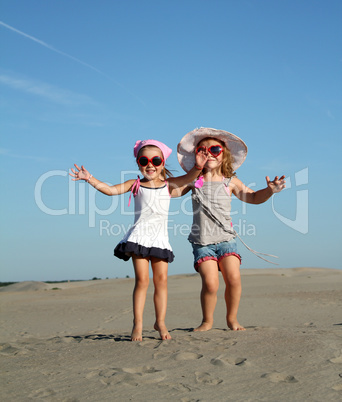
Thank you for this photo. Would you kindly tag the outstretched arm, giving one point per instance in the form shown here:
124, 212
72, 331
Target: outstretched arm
81, 173
246, 194
179, 185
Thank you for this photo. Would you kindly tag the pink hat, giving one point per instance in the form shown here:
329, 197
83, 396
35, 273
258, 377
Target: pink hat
166, 151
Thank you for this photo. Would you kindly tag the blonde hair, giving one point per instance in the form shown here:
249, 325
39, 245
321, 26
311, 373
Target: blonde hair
165, 173
227, 158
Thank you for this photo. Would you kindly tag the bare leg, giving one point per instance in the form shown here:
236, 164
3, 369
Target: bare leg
210, 284
159, 268
230, 268
141, 267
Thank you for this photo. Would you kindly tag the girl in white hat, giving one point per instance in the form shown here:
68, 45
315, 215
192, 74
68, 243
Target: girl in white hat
212, 235
147, 240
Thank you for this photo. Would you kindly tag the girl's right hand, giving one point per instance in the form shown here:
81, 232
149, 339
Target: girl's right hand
201, 159
80, 173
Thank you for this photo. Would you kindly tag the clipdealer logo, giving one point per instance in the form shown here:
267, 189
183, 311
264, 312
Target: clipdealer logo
301, 221
81, 199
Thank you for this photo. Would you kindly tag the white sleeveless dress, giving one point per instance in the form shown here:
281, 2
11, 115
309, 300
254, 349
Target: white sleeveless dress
148, 237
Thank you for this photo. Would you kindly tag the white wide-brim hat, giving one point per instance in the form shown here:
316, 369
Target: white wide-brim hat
186, 147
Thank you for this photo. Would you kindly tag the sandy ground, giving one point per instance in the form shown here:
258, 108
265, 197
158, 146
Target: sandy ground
73, 343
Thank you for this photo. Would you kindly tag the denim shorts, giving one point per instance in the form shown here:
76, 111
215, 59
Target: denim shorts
214, 252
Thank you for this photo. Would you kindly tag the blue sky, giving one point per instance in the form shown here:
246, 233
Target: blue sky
81, 82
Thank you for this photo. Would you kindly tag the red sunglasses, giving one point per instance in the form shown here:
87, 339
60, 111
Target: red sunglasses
214, 150
156, 161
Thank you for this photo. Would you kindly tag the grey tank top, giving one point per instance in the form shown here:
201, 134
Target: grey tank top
211, 205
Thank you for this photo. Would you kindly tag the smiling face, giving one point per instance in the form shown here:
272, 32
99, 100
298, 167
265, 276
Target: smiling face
150, 171
212, 162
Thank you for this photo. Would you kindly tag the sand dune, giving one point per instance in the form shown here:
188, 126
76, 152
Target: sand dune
73, 343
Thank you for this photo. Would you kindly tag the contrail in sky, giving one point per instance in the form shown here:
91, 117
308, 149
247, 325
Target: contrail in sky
40, 42
51, 48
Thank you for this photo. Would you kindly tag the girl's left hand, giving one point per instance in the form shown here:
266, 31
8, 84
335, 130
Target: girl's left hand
277, 184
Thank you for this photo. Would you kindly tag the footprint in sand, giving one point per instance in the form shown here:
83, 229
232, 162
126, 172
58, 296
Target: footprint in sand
180, 356
189, 400
336, 360
42, 393
8, 349
132, 376
309, 324
337, 387
180, 387
279, 377
226, 343
207, 379
222, 361
187, 356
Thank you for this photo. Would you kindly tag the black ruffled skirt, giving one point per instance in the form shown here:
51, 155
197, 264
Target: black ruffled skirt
124, 251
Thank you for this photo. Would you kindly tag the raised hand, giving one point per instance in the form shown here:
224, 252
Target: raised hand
277, 184
201, 159
80, 173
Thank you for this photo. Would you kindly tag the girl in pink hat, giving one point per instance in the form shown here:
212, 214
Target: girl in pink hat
212, 235
147, 240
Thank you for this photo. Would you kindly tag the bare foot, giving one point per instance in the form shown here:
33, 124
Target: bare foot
235, 326
136, 334
205, 326
164, 333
